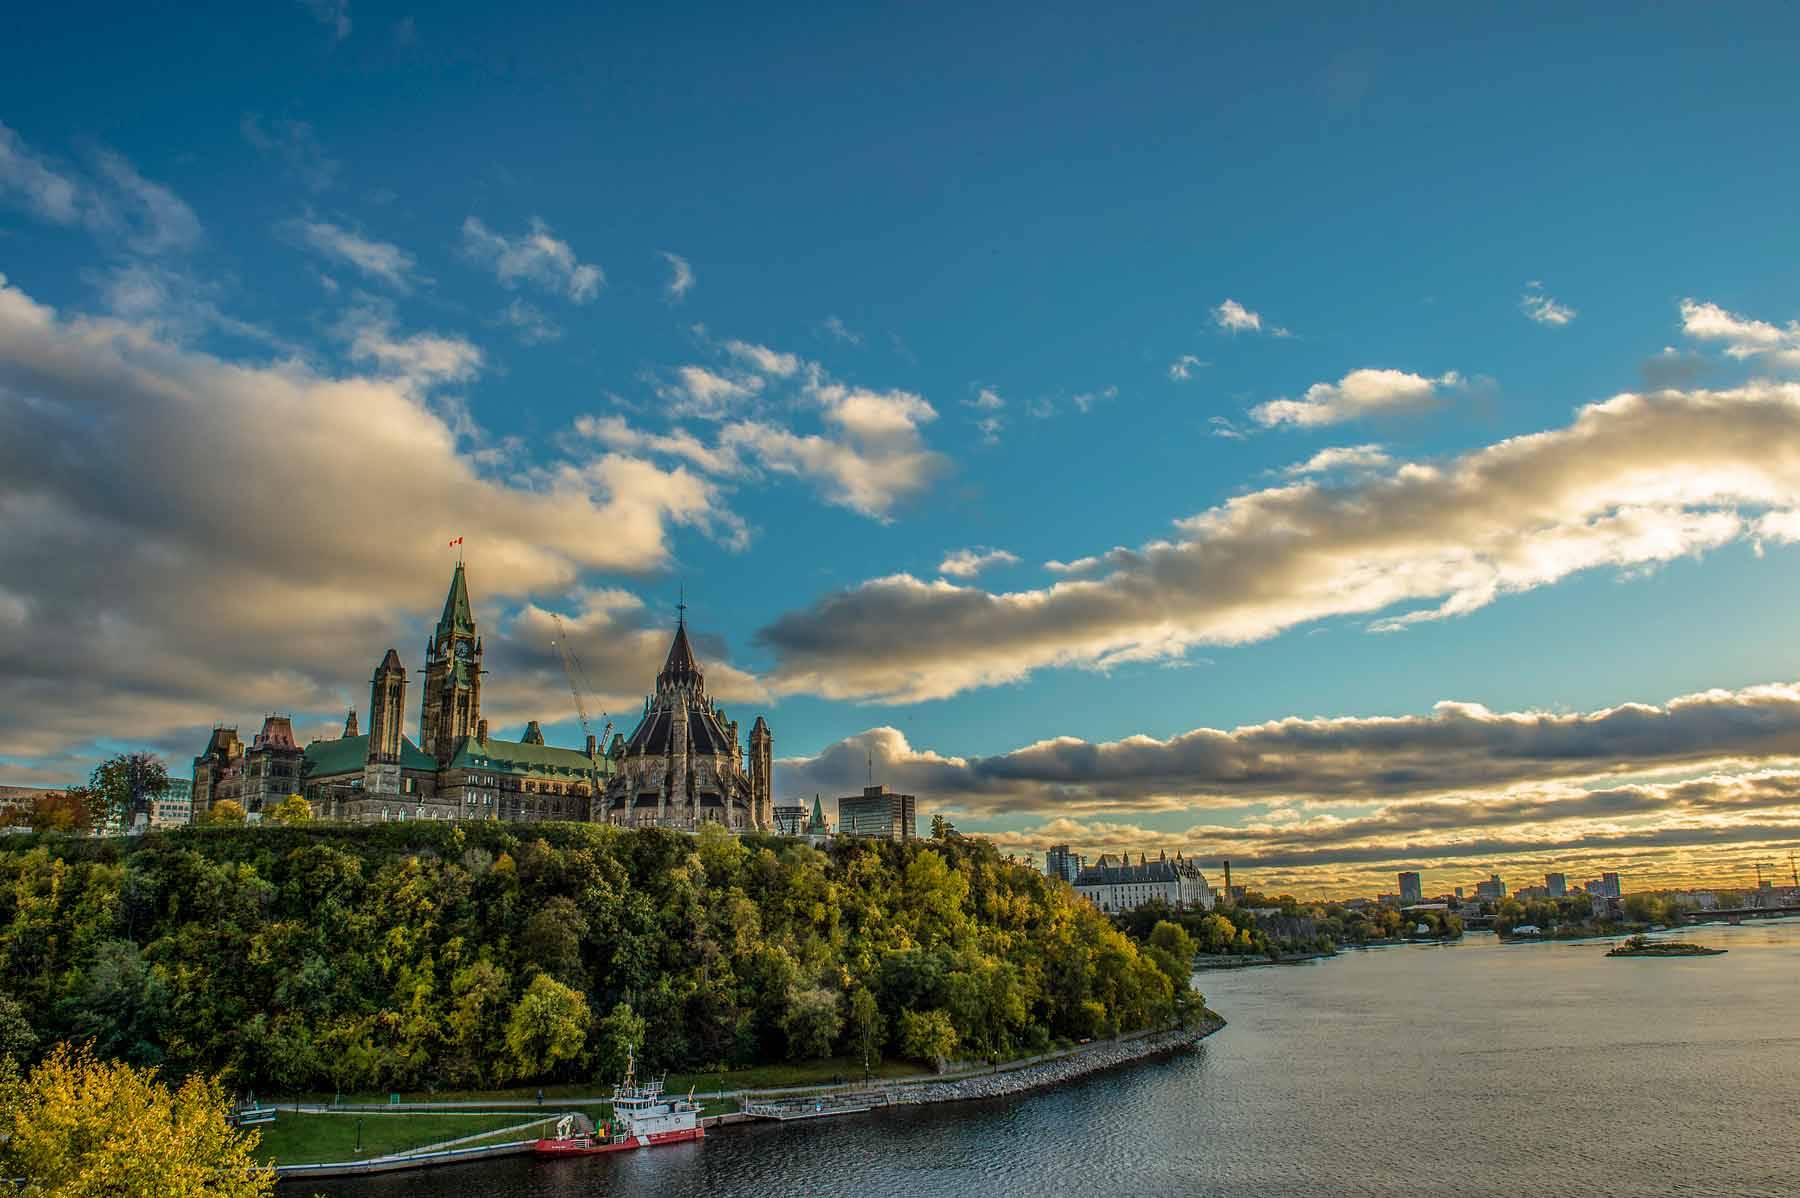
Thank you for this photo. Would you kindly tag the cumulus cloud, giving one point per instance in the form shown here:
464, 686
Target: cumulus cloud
535, 256
617, 433
379, 260
1233, 317
421, 359
295, 146
1358, 394
967, 563
265, 530
990, 423
1457, 748
871, 457
1542, 308
1343, 457
1182, 368
681, 277
1742, 336
1634, 481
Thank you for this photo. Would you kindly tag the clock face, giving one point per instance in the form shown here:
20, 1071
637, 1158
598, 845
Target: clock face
462, 650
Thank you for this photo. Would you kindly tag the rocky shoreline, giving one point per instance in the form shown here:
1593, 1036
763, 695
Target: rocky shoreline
1063, 1069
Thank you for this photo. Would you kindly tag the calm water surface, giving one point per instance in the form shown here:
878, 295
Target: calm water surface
1466, 1070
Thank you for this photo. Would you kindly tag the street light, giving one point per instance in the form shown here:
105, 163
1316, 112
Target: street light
359, 1137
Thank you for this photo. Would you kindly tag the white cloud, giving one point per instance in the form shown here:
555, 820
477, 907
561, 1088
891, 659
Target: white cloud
987, 400
764, 360
1085, 400
837, 328
1743, 337
871, 458
1344, 457
967, 563
1359, 393
681, 277
31, 181
697, 391
529, 324
1543, 309
379, 260
616, 433
990, 424
1633, 482
419, 359
536, 256
318, 549
118, 202
1233, 317
296, 146
1182, 368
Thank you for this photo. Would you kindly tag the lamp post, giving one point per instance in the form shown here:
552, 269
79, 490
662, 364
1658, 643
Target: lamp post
359, 1137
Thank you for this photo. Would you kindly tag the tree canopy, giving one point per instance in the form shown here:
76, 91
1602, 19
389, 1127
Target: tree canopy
329, 957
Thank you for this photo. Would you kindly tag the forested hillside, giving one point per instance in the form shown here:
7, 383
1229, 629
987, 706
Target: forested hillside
425, 954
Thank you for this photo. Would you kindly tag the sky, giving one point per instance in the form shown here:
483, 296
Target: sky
1338, 442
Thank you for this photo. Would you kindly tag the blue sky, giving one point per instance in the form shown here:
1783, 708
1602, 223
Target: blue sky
1035, 217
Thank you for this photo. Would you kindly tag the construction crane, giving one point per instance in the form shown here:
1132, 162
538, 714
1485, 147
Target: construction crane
1759, 867
578, 683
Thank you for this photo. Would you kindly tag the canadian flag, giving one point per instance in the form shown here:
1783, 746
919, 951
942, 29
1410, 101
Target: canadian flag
456, 542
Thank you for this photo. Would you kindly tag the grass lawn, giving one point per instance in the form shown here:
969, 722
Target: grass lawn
308, 1139
808, 1073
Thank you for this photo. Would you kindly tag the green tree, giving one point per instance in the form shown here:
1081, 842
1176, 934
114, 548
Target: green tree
812, 1022
865, 1029
548, 1027
77, 1127
17, 1040
126, 784
927, 1036
291, 810
621, 1034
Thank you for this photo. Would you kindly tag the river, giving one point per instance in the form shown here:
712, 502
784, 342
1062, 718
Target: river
1468, 1069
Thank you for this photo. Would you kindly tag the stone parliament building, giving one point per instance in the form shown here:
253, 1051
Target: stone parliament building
681, 767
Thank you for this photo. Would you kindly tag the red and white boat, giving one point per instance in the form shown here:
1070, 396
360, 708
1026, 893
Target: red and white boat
642, 1118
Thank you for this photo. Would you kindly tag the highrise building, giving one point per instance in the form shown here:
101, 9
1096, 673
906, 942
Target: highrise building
1411, 890
878, 812
1557, 885
1059, 862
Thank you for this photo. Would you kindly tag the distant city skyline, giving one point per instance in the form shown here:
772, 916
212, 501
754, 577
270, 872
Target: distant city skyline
1189, 430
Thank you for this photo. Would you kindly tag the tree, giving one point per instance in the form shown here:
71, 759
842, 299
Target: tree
867, 1030
621, 1034
548, 1027
812, 1022
291, 810
17, 1040
927, 1036
126, 784
77, 1127
226, 811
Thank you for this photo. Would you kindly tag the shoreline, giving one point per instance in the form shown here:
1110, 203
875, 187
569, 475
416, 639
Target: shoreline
1002, 1082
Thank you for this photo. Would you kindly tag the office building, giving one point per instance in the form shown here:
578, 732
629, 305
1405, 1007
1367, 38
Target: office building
1556, 885
1059, 862
1411, 891
879, 813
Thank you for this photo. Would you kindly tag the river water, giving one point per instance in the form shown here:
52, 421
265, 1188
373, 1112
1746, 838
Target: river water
1469, 1069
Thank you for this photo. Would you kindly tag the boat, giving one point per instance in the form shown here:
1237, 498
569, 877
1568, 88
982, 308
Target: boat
643, 1117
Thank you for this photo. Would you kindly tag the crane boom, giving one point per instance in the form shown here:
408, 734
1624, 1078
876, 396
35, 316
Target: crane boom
577, 682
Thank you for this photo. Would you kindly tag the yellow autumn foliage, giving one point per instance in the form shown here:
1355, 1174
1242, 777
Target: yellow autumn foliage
76, 1127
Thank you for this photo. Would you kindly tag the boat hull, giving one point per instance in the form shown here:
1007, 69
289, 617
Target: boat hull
554, 1149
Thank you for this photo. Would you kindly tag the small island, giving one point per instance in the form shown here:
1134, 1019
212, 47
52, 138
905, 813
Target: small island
1643, 946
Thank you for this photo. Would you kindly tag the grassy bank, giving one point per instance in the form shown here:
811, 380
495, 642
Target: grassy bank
305, 1139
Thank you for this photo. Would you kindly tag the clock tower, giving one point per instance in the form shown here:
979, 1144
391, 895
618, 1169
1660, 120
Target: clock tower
452, 707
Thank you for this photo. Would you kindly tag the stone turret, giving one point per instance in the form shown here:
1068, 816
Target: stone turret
350, 723
762, 775
387, 711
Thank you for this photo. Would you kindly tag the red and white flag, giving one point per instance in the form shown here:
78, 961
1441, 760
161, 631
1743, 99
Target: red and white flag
456, 542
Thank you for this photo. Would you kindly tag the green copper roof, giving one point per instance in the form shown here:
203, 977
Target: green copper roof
457, 617
816, 826
523, 757
346, 755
